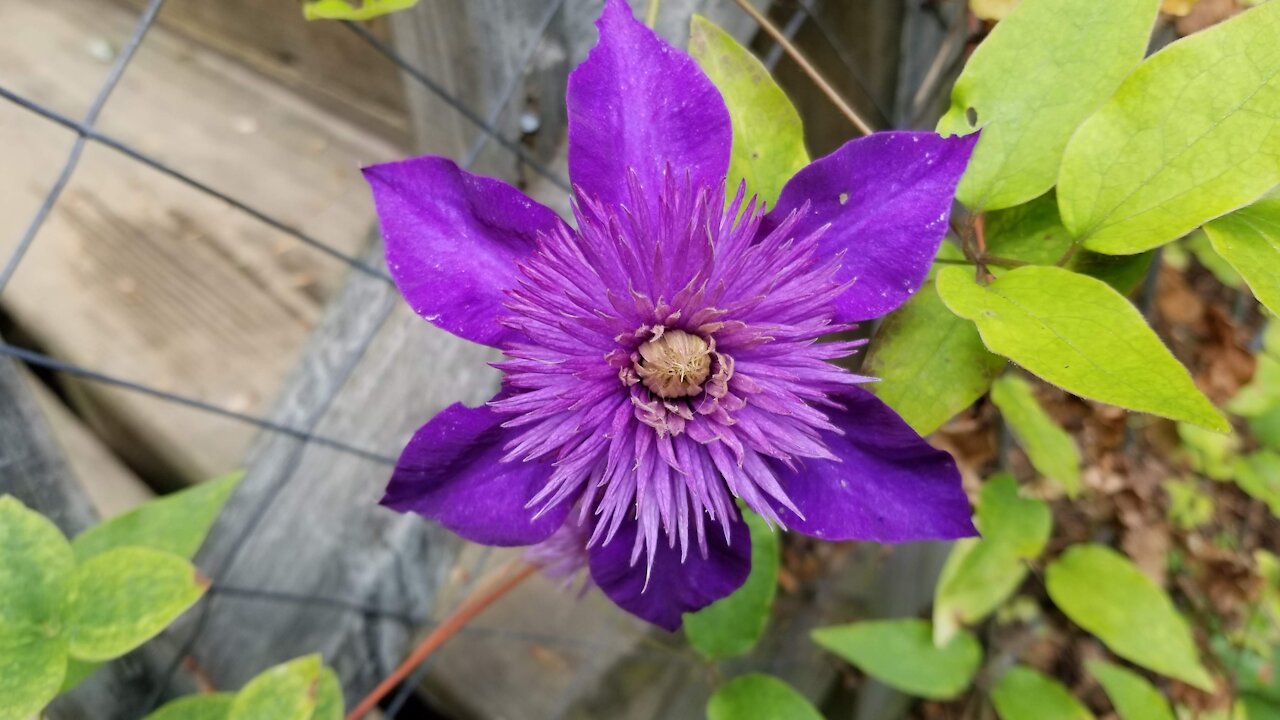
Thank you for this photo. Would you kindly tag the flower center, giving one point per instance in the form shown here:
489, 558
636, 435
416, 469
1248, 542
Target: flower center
674, 364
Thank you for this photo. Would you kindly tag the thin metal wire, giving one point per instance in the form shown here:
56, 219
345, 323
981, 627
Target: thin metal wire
35, 358
436, 89
86, 132
849, 65
145, 21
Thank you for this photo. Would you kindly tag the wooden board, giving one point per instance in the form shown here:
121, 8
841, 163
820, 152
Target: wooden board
142, 277
320, 60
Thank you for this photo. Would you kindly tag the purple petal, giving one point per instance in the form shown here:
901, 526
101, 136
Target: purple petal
453, 240
675, 587
451, 473
637, 103
890, 486
888, 199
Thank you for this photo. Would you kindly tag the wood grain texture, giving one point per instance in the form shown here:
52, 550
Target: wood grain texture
320, 61
142, 277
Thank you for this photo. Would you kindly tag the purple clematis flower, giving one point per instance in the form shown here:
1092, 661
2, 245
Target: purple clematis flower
663, 356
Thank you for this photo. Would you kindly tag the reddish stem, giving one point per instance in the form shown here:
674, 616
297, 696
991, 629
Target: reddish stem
471, 607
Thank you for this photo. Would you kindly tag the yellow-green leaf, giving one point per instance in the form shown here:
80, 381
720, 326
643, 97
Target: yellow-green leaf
213, 706
1029, 85
759, 697
352, 9
1033, 233
733, 625
768, 137
1259, 475
1249, 239
1025, 694
1133, 697
1080, 334
901, 654
124, 597
285, 692
981, 573
1051, 450
1189, 506
1191, 135
930, 363
175, 523
1107, 595
36, 565
329, 702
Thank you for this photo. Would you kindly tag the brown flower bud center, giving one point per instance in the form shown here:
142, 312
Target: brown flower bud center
674, 364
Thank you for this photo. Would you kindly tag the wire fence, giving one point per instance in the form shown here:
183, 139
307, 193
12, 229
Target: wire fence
805, 11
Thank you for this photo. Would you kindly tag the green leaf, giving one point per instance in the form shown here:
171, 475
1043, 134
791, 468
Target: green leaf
930, 363
1051, 450
1199, 244
980, 574
1081, 335
124, 597
1025, 694
1189, 506
285, 692
352, 9
1033, 233
214, 706
901, 654
1133, 697
768, 137
1029, 85
759, 697
1190, 136
35, 575
1104, 593
329, 702
1249, 239
731, 626
32, 664
77, 672
1211, 454
175, 523
1258, 474
1262, 394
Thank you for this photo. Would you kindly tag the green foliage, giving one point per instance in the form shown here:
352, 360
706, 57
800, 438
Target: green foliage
301, 689
1030, 84
176, 523
126, 596
768, 137
1033, 233
1211, 454
1258, 474
352, 9
981, 573
733, 625
1081, 335
1188, 137
36, 566
901, 654
329, 702
1189, 506
1104, 593
1249, 239
1025, 694
1051, 450
1133, 697
759, 697
285, 692
928, 388
213, 706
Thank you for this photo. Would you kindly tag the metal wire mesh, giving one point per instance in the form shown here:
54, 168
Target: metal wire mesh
305, 432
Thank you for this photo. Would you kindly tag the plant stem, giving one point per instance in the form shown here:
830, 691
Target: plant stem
471, 607
804, 64
651, 17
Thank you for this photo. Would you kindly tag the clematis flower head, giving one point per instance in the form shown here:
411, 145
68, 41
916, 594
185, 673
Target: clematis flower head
663, 354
